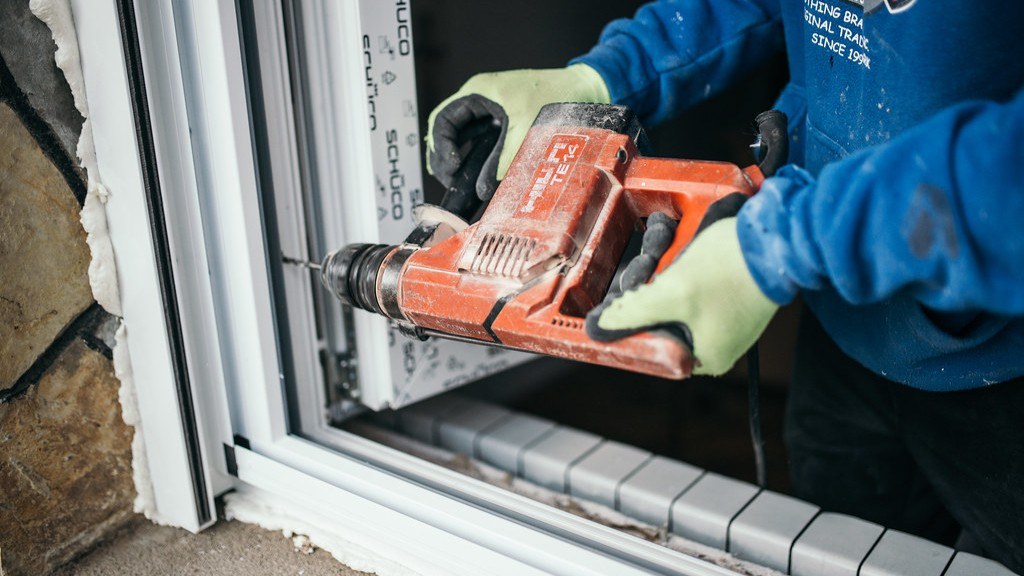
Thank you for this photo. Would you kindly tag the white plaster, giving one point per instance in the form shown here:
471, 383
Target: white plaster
145, 502
273, 512
102, 271
56, 14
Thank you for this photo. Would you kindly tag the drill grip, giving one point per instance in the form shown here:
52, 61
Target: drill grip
773, 138
462, 198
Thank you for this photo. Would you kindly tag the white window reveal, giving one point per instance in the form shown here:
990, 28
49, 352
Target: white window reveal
341, 79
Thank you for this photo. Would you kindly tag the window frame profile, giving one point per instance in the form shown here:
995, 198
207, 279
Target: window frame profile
171, 103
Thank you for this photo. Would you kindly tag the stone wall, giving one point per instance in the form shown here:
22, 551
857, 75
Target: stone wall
65, 453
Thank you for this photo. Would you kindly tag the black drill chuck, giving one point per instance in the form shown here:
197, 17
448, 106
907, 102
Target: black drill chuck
350, 273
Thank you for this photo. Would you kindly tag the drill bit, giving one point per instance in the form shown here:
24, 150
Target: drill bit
297, 262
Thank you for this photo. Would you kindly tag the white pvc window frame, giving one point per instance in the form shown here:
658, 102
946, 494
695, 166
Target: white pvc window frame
356, 86
428, 518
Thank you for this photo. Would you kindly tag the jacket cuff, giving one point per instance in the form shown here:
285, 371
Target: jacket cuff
619, 77
775, 244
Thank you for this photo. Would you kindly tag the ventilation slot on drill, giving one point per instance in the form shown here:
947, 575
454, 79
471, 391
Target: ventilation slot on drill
567, 323
502, 255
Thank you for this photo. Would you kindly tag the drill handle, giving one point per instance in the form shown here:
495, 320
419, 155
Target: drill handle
773, 141
689, 190
462, 198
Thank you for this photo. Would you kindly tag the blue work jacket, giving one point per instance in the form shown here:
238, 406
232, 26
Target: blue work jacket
900, 221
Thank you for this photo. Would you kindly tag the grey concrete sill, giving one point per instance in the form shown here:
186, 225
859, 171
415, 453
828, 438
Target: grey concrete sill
228, 548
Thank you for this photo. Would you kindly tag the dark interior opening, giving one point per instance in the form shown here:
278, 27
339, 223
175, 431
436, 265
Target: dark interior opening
702, 421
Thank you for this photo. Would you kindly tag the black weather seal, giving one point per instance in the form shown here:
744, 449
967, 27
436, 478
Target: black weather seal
246, 13
162, 251
230, 461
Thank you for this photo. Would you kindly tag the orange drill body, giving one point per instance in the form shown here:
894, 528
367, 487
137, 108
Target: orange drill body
546, 248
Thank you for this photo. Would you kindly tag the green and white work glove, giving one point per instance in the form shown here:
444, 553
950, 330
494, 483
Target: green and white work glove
511, 99
707, 297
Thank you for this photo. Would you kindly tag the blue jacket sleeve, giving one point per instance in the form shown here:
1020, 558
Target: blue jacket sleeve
675, 53
937, 212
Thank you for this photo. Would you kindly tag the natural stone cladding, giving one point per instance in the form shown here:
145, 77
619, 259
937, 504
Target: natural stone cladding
42, 249
65, 452
66, 469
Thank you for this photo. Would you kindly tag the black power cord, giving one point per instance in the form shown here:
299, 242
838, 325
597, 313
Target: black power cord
754, 414
772, 152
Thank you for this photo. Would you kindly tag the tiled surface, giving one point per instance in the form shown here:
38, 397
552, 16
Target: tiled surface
459, 431
833, 545
965, 564
547, 461
597, 476
420, 420
762, 527
704, 511
648, 494
502, 445
900, 554
765, 530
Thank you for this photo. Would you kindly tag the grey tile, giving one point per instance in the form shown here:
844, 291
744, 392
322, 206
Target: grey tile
704, 511
459, 430
833, 545
764, 531
501, 446
546, 461
599, 473
965, 564
420, 420
648, 494
900, 554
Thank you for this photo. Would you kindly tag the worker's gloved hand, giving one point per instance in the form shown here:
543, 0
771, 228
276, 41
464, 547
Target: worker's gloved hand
513, 99
707, 297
